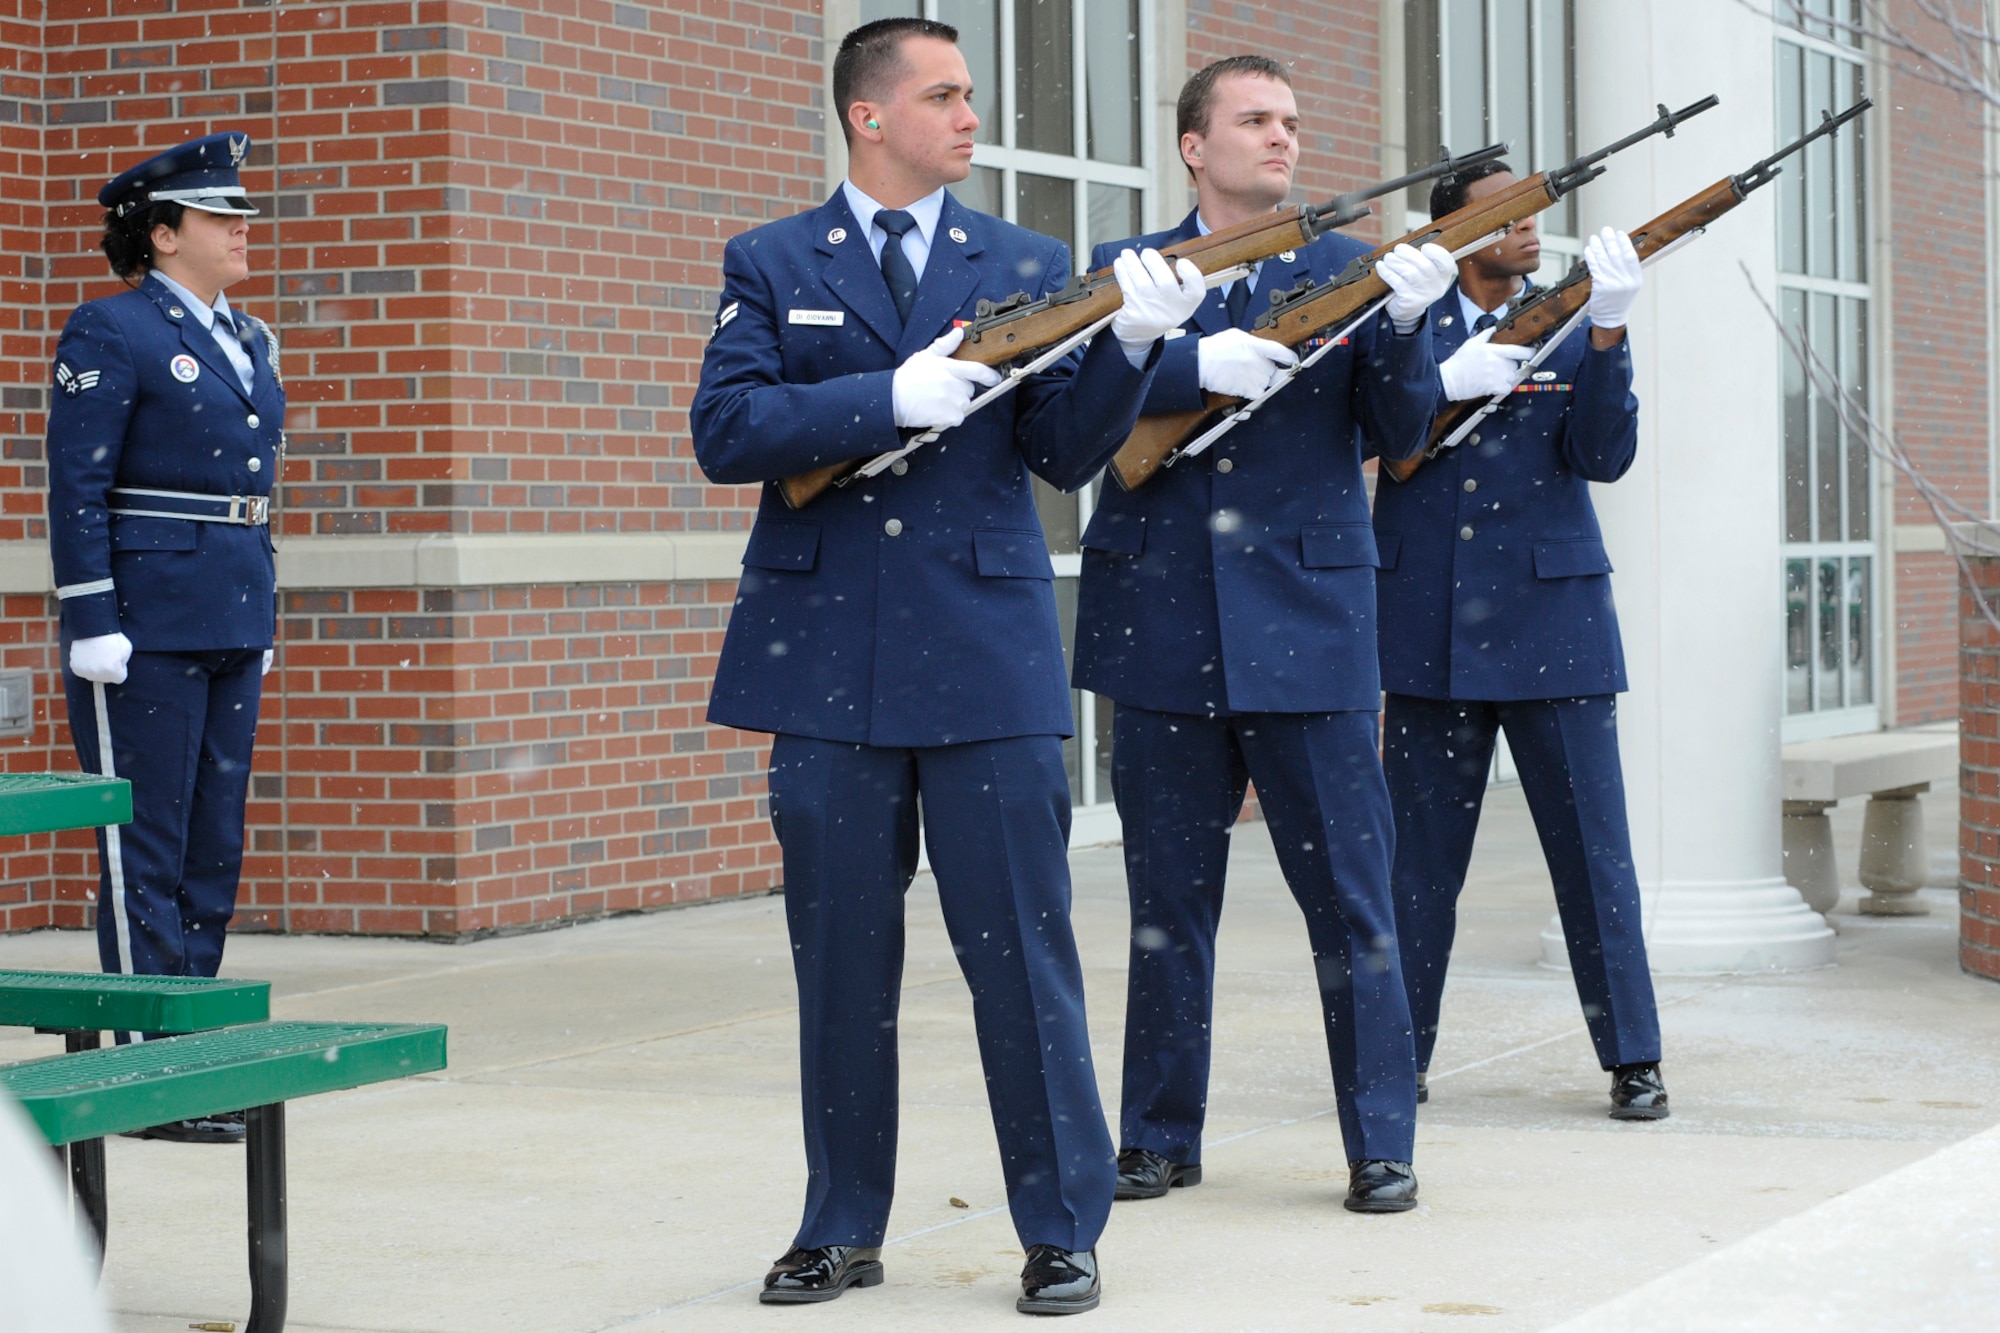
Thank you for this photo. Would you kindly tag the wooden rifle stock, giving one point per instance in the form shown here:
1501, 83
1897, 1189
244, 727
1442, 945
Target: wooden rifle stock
1010, 330
1298, 316
1548, 310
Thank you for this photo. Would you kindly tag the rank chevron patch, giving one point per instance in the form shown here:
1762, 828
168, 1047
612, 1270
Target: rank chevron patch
73, 382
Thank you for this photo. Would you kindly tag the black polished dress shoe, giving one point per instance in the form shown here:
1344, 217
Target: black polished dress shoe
1144, 1174
821, 1274
223, 1127
1423, 1088
1058, 1281
1381, 1187
1637, 1093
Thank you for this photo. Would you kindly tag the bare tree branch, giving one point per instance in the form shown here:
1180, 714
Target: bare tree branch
1886, 445
1971, 65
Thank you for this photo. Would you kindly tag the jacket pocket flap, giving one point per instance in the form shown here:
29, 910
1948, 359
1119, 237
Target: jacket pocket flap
1005, 553
1571, 559
783, 546
152, 534
1337, 545
1388, 546
1120, 534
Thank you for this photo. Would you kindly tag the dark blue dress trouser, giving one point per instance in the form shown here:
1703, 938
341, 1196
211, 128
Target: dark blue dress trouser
1437, 753
996, 821
181, 729
1179, 781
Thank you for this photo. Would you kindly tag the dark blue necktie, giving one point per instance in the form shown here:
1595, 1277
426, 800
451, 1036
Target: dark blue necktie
1237, 303
896, 270
1484, 322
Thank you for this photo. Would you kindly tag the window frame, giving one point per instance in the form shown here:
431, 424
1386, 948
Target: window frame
1560, 249
1847, 718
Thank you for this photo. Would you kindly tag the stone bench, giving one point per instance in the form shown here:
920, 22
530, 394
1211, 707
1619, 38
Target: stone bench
1892, 769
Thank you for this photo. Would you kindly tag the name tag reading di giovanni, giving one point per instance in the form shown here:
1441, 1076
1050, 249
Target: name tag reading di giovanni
825, 319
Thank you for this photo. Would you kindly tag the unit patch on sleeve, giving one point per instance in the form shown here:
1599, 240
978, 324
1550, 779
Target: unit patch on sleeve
73, 382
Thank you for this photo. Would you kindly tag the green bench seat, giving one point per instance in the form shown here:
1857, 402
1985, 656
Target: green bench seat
88, 1094
95, 1094
111, 1002
81, 1006
49, 802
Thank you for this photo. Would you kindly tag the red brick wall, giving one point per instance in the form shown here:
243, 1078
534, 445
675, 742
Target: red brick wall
452, 761
493, 260
1979, 775
1938, 220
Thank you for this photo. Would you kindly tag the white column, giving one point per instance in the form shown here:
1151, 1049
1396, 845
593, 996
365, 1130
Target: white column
1693, 528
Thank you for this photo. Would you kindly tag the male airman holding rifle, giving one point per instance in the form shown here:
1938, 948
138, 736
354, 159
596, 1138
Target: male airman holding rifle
1227, 607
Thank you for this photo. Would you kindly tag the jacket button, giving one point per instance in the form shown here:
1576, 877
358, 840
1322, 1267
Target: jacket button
1224, 465
894, 527
255, 465
899, 467
253, 422
1473, 438
1465, 533
1470, 485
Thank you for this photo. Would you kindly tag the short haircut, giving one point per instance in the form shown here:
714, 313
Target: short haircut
871, 57
1448, 195
1198, 93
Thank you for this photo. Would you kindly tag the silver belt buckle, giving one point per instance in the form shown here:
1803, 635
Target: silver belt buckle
250, 510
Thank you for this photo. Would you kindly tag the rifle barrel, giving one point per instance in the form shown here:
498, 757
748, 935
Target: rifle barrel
1764, 171
1568, 177
1345, 208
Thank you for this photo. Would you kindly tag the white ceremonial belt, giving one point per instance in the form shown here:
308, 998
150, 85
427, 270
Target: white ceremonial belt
250, 511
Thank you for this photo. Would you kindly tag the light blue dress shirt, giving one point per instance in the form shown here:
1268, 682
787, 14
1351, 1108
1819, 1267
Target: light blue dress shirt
916, 241
221, 326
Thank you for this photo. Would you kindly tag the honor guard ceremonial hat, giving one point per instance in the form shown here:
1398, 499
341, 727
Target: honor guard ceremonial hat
201, 173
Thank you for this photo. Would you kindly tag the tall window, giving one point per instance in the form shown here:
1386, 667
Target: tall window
1060, 87
1483, 71
1829, 519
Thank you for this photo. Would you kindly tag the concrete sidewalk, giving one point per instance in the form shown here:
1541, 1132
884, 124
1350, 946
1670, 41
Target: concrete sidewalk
616, 1143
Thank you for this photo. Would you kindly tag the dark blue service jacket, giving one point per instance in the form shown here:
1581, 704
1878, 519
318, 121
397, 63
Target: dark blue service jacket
917, 608
144, 398
1495, 583
1243, 580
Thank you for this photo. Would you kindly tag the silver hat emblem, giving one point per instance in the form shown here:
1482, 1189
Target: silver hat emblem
836, 236
958, 234
239, 145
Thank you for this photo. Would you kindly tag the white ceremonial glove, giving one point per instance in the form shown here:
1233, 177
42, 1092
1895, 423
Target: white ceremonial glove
931, 391
1158, 299
1480, 370
1239, 364
1615, 278
1416, 279
101, 659
270, 656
